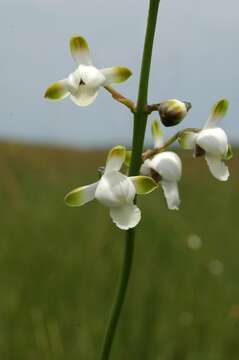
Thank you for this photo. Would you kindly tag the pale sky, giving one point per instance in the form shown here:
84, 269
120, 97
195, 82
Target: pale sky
195, 59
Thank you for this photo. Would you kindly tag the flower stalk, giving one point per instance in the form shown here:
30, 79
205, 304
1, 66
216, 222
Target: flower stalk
151, 152
121, 98
140, 121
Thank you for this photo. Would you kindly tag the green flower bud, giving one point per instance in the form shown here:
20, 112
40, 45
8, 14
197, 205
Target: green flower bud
173, 111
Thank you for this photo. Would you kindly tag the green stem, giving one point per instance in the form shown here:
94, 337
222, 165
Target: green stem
120, 295
140, 121
140, 117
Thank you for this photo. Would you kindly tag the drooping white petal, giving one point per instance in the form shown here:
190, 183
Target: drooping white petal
143, 184
171, 194
168, 165
80, 50
126, 216
58, 90
217, 112
115, 189
84, 96
217, 167
213, 141
116, 74
187, 139
157, 134
81, 195
115, 159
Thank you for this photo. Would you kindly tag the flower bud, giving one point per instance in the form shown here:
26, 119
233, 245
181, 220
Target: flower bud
173, 111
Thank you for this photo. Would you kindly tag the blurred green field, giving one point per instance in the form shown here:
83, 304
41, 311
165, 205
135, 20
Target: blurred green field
59, 266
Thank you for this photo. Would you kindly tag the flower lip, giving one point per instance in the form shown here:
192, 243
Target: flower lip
213, 141
168, 165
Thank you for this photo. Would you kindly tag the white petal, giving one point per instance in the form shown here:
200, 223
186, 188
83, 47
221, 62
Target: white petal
80, 50
84, 96
213, 141
115, 159
115, 74
168, 165
126, 216
217, 167
81, 195
171, 194
115, 189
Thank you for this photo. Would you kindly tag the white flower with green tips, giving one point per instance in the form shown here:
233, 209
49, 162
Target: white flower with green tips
211, 141
115, 190
84, 83
165, 167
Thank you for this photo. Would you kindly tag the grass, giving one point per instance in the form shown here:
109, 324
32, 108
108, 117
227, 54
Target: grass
59, 266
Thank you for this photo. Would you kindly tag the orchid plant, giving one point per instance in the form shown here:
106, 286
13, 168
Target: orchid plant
138, 171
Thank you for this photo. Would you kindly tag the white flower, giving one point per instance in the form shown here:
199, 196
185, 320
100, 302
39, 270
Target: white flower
211, 141
115, 190
166, 167
83, 84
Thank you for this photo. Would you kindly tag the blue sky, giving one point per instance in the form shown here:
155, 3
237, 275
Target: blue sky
195, 58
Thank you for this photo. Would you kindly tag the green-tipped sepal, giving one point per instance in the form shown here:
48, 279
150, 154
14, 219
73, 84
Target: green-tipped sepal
80, 50
187, 139
217, 112
143, 184
219, 109
81, 195
173, 111
115, 158
116, 74
157, 134
57, 91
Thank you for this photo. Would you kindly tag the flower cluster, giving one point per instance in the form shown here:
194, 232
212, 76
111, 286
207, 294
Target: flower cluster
115, 190
160, 167
84, 83
211, 142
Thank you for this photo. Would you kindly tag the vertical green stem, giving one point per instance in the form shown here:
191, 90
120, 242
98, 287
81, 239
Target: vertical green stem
140, 121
